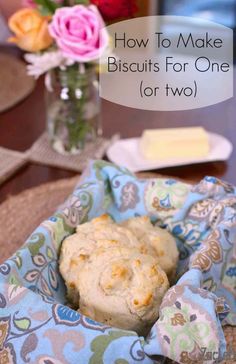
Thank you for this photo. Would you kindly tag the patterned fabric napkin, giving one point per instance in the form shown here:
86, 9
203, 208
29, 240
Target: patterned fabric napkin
37, 327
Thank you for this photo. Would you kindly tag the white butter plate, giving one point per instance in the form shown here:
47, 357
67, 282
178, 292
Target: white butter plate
126, 152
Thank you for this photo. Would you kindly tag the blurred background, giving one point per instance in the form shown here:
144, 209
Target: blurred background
30, 114
220, 11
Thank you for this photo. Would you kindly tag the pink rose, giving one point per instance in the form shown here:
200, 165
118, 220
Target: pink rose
78, 32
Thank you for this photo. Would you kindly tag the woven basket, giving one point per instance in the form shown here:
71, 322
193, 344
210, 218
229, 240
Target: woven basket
27, 210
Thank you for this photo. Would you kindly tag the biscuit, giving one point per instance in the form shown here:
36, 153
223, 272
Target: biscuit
117, 273
122, 287
160, 240
76, 249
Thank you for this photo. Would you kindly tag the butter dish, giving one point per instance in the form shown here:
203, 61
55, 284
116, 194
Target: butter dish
127, 152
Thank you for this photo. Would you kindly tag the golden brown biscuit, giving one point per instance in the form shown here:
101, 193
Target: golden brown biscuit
122, 288
74, 252
160, 240
115, 273
76, 249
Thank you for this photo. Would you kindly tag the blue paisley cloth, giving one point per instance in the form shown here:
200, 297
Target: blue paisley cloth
37, 327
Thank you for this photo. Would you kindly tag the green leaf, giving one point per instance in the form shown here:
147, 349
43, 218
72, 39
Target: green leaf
34, 248
49, 253
65, 228
47, 5
35, 242
82, 2
13, 280
22, 324
17, 260
121, 361
76, 2
44, 12
101, 343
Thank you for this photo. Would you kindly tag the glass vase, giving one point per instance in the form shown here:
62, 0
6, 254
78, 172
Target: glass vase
73, 108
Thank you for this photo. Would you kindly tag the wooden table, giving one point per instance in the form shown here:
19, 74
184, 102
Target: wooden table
22, 125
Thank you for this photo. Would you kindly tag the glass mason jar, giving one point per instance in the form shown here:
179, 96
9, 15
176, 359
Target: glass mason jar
73, 108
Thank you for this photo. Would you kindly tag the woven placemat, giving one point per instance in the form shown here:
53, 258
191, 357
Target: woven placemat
15, 84
41, 152
10, 162
21, 214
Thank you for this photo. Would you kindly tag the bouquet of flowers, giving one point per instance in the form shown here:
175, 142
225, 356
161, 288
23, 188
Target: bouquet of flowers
67, 31
67, 36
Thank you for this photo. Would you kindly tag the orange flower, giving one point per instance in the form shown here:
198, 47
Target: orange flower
31, 30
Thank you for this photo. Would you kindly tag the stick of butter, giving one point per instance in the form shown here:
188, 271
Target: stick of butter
190, 142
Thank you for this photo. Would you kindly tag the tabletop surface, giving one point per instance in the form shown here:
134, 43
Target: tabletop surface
22, 125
